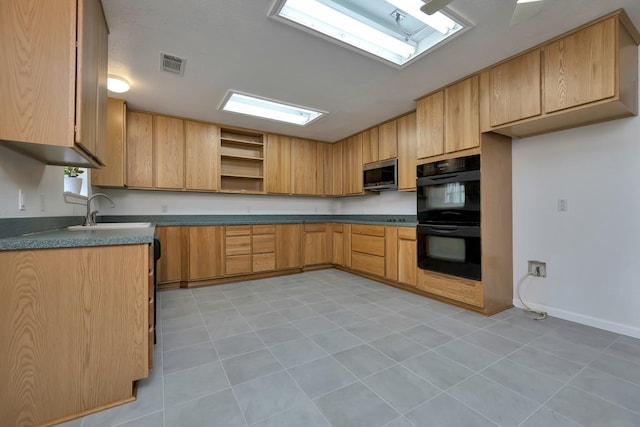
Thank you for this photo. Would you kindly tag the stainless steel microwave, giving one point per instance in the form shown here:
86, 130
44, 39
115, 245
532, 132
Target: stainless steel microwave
380, 176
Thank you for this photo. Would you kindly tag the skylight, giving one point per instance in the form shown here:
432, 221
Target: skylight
269, 109
396, 31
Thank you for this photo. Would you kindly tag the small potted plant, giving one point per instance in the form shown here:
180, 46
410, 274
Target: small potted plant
72, 180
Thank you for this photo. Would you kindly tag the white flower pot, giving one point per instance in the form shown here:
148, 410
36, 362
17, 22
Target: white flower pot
72, 184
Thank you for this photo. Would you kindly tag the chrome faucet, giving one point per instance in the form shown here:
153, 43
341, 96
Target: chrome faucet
90, 218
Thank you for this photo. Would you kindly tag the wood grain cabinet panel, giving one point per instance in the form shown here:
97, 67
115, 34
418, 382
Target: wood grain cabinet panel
263, 243
407, 258
352, 165
170, 263
430, 125
168, 162
580, 68
315, 244
462, 118
391, 253
370, 148
54, 96
139, 150
337, 244
113, 173
238, 264
333, 184
388, 140
206, 253
515, 89
237, 245
277, 163
263, 262
407, 152
307, 165
201, 156
288, 246
368, 263
373, 245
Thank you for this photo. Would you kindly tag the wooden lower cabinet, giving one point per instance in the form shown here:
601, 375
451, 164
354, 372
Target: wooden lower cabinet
74, 330
368, 248
315, 244
170, 264
288, 246
407, 258
337, 244
206, 252
454, 288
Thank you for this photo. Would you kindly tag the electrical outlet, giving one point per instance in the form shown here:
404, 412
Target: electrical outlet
164, 209
538, 268
563, 205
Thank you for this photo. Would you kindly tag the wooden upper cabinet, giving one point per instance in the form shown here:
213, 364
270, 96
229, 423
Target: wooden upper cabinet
387, 140
139, 150
333, 185
352, 165
430, 125
581, 67
370, 149
515, 89
53, 95
407, 146
277, 164
201, 156
307, 166
462, 120
113, 174
168, 143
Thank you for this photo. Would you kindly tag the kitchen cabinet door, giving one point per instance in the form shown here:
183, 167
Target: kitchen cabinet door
307, 165
337, 244
430, 125
206, 252
288, 246
581, 68
139, 150
407, 258
54, 95
113, 173
201, 156
352, 165
315, 244
515, 89
333, 185
170, 263
277, 164
370, 152
168, 161
407, 148
462, 120
388, 140
391, 253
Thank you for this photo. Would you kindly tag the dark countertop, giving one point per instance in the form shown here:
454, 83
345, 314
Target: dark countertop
67, 239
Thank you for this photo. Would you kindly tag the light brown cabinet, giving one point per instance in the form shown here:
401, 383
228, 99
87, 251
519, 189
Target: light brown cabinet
81, 321
448, 120
139, 149
288, 246
380, 143
407, 258
170, 264
586, 76
315, 248
277, 164
241, 161
55, 112
333, 166
307, 167
407, 152
201, 156
370, 139
238, 249
352, 165
337, 244
113, 174
206, 253
263, 248
368, 249
168, 153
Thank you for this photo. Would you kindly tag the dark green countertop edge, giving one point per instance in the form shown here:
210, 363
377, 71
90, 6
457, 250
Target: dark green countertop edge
10, 227
175, 220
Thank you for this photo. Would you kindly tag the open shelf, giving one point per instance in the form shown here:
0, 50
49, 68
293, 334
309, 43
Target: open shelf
241, 161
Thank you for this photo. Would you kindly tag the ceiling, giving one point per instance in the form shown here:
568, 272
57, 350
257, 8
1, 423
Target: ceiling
233, 44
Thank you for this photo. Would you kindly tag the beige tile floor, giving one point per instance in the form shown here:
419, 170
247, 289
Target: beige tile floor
327, 348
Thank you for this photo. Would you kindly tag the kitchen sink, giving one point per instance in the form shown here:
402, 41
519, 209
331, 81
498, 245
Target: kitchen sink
110, 226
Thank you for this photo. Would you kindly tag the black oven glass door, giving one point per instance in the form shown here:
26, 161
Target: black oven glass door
449, 199
452, 250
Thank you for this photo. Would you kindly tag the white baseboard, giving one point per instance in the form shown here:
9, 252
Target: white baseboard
595, 322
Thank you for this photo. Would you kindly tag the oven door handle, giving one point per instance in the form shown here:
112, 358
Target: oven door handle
451, 177
443, 230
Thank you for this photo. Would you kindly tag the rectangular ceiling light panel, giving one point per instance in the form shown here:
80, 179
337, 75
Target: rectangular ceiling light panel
251, 105
366, 31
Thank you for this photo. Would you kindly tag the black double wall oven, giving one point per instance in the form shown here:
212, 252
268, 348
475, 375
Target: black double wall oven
448, 231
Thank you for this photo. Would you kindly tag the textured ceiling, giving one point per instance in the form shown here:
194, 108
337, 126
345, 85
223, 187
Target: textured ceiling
233, 44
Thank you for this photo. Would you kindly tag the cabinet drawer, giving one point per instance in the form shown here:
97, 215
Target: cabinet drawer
264, 262
264, 229
238, 245
455, 288
372, 245
239, 264
368, 263
237, 230
263, 243
370, 230
315, 227
407, 233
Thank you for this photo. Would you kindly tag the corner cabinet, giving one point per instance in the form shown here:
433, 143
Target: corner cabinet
586, 76
352, 165
241, 161
56, 112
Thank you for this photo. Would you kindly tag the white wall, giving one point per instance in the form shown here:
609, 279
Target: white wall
387, 202
592, 250
35, 179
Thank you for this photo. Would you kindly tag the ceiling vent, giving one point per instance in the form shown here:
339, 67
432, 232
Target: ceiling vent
172, 64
